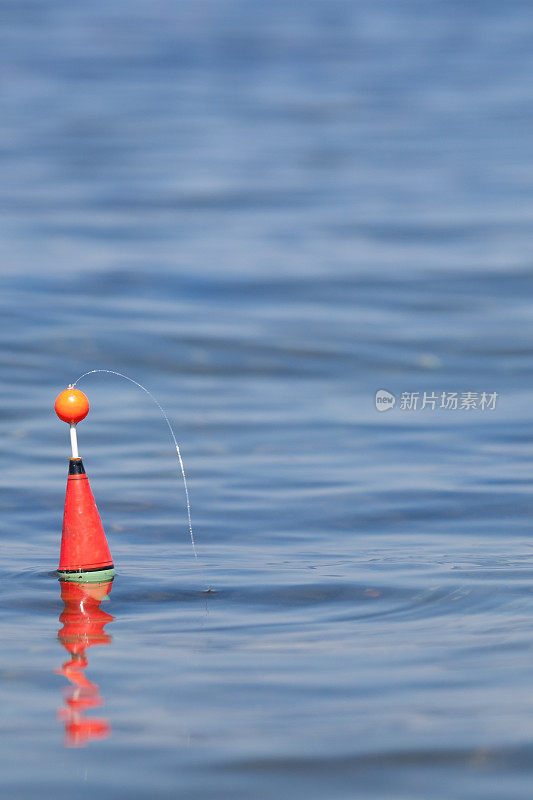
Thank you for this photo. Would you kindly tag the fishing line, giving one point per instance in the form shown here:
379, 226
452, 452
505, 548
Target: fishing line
165, 417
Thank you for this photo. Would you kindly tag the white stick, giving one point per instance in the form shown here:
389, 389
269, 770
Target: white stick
74, 440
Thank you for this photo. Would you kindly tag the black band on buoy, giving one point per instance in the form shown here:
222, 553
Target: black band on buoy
75, 466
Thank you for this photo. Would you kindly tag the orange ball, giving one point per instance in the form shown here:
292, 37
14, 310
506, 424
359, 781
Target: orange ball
71, 405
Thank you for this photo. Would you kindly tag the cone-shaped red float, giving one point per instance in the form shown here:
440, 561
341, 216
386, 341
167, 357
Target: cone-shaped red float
84, 545
85, 554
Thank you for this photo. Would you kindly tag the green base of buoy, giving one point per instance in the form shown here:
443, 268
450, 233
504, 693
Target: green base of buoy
92, 576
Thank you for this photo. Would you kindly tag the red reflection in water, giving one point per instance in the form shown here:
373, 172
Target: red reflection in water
83, 627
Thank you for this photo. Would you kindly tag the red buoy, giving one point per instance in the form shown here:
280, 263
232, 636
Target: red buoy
84, 550
84, 545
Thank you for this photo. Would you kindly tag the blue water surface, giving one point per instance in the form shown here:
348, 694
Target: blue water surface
266, 212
